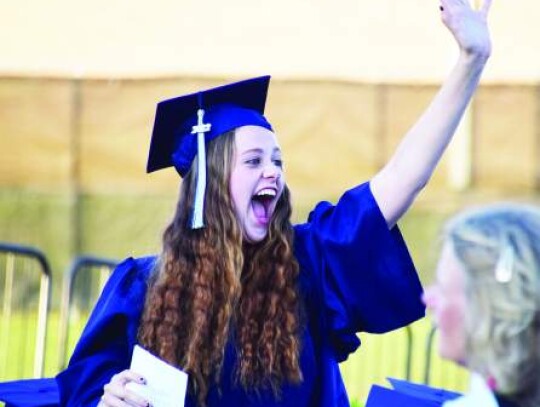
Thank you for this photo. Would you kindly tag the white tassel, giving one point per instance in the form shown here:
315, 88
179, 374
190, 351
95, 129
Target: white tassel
197, 220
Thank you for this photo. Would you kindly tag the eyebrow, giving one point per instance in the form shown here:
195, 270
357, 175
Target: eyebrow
260, 150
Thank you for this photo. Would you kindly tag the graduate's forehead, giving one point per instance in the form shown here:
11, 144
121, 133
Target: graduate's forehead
255, 138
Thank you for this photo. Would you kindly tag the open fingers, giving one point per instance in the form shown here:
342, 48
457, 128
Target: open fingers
108, 400
482, 6
116, 394
486, 5
449, 5
127, 376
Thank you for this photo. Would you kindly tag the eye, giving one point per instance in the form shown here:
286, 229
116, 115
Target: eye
278, 162
252, 162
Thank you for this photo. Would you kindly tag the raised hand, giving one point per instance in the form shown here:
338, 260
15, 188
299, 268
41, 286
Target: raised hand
396, 185
468, 25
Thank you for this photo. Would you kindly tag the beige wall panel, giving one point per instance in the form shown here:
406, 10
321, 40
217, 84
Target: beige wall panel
34, 133
506, 146
403, 105
327, 132
333, 134
117, 122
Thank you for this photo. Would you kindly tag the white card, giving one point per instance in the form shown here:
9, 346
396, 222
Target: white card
165, 385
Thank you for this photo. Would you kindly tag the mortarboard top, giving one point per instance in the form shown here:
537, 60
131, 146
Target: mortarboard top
406, 393
383, 397
422, 390
174, 141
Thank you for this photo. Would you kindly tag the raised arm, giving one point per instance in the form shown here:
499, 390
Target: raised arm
396, 185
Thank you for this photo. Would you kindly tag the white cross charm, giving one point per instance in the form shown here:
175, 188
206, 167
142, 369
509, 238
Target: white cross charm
200, 127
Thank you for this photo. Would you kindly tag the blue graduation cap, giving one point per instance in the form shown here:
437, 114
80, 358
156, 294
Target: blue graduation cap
184, 125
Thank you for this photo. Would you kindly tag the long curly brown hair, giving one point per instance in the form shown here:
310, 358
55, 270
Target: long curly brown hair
209, 286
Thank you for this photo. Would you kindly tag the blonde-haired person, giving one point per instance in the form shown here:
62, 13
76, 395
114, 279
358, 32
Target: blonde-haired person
486, 303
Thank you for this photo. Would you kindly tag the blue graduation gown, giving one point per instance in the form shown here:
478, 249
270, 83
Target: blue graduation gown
30, 393
355, 275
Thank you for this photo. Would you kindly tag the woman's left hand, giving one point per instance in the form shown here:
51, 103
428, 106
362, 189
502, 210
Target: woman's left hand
468, 26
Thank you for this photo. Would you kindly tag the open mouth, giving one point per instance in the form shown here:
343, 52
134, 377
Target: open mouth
261, 203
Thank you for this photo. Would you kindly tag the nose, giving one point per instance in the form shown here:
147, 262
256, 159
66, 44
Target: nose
428, 298
271, 171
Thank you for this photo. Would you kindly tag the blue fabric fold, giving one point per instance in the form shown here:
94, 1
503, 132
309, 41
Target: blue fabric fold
106, 344
30, 393
367, 279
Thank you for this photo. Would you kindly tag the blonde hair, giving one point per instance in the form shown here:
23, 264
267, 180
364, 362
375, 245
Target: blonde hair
499, 247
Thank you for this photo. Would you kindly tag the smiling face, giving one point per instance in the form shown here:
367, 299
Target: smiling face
257, 180
447, 303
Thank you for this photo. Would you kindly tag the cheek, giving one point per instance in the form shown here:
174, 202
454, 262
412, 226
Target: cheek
450, 320
281, 180
237, 189
450, 317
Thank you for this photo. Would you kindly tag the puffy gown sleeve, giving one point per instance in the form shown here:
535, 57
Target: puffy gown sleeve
107, 341
360, 273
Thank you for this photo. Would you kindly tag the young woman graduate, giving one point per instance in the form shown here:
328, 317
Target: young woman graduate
259, 312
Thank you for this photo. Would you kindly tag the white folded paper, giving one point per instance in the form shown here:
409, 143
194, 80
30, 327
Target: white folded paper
165, 385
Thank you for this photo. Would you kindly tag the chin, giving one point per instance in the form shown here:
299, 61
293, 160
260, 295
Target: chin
444, 351
451, 354
255, 238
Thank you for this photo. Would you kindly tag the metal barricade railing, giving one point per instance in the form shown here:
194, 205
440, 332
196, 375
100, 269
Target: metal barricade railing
439, 371
394, 354
105, 266
429, 349
12, 251
408, 355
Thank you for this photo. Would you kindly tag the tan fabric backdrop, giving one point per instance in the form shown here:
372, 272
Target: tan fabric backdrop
93, 135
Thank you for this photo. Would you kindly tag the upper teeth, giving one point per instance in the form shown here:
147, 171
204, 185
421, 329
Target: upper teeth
266, 192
